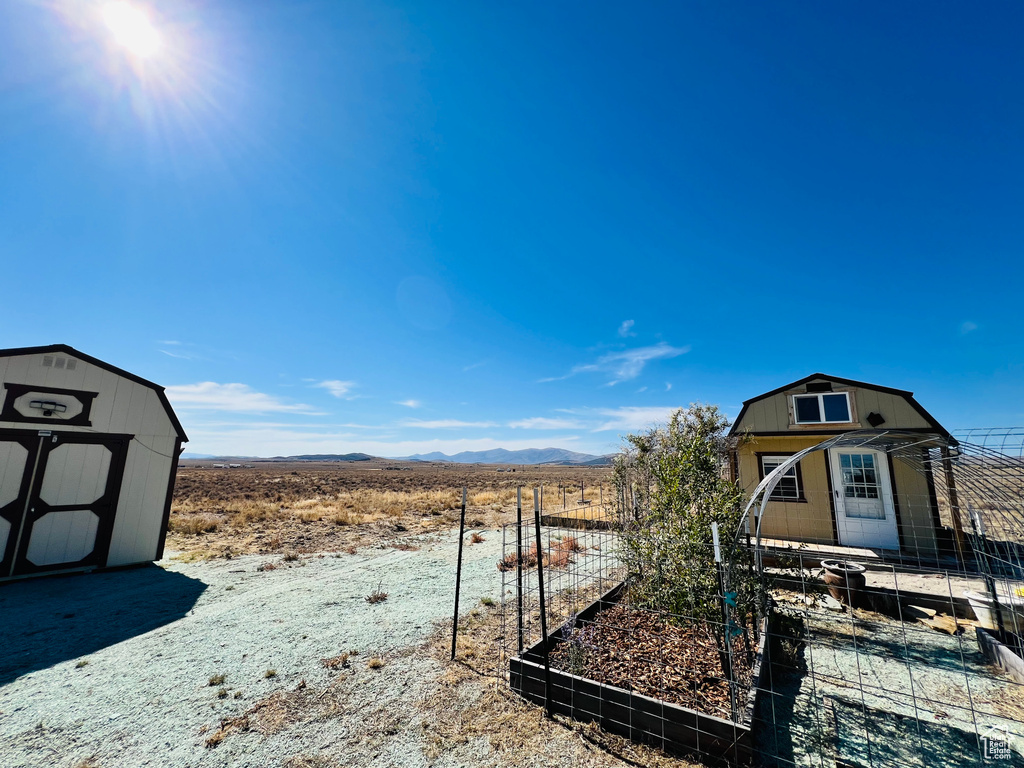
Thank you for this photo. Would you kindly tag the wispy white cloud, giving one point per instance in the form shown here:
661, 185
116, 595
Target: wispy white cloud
632, 418
668, 386
409, 403
446, 424
234, 397
539, 422
626, 329
337, 388
471, 366
626, 364
967, 326
642, 389
177, 355
187, 350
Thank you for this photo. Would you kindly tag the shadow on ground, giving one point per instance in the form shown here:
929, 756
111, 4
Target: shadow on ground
47, 621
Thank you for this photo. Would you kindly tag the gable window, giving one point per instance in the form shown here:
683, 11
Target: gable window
789, 487
824, 408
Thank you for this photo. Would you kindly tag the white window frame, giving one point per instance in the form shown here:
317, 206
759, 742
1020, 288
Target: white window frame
821, 408
782, 459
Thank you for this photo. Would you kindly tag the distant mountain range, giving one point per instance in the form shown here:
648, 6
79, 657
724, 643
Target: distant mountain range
306, 457
496, 456
525, 456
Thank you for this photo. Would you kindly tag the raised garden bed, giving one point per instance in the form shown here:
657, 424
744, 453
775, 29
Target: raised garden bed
1003, 650
578, 523
643, 701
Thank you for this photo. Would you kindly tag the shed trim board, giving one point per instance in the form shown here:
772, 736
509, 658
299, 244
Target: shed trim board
167, 501
15, 391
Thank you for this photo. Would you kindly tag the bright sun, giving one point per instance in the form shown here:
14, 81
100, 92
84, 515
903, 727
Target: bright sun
132, 28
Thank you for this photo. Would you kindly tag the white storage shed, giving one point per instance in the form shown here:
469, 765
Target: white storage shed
88, 456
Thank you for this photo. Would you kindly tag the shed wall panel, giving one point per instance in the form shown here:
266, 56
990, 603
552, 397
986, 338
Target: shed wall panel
810, 520
136, 534
918, 525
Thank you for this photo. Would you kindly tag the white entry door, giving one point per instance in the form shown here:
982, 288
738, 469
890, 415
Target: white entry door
865, 514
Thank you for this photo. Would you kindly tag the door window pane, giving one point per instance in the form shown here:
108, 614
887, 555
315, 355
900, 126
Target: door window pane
860, 481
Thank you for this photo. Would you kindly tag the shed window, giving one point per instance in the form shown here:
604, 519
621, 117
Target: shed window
826, 408
788, 488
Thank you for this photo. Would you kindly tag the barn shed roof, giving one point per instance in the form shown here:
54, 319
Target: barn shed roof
65, 349
905, 394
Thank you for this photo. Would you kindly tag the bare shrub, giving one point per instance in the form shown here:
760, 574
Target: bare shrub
192, 525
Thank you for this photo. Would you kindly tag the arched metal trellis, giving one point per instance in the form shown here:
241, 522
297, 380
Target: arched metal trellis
977, 478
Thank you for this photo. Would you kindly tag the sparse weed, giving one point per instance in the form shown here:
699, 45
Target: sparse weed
222, 693
375, 663
476, 538
377, 596
488, 601
337, 662
217, 680
270, 673
82, 663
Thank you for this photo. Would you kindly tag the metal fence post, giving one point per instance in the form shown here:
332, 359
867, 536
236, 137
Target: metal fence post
543, 608
458, 573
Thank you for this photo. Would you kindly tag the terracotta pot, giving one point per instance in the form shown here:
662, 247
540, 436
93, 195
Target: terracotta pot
844, 579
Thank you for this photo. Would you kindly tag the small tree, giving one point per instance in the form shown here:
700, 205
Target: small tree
673, 479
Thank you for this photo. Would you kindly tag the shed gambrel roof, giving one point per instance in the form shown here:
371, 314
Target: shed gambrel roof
66, 350
905, 394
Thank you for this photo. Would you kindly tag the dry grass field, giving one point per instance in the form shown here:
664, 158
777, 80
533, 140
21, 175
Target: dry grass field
309, 507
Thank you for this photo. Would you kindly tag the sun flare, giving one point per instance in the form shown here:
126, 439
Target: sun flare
132, 29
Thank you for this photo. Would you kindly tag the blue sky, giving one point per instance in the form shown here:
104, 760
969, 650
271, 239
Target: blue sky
403, 227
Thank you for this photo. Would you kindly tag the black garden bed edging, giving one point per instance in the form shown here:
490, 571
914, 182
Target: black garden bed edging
1003, 651
671, 727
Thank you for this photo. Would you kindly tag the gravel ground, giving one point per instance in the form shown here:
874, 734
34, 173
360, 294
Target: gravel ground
113, 669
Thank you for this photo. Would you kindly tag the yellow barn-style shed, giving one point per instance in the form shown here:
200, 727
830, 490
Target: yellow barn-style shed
88, 456
847, 496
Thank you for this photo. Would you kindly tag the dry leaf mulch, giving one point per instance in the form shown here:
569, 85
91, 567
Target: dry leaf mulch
643, 652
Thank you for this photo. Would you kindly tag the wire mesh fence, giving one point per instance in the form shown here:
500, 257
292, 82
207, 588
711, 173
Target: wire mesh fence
863, 655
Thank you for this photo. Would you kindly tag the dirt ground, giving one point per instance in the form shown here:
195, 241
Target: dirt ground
273, 635
271, 661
